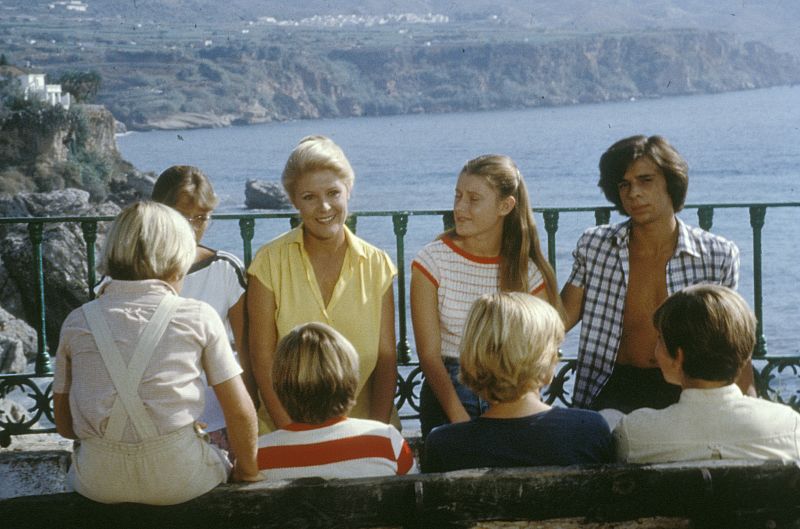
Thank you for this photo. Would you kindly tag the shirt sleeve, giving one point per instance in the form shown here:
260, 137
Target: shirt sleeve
219, 363
403, 454
578, 275
62, 377
730, 271
535, 278
621, 444
431, 460
388, 272
426, 263
233, 279
261, 267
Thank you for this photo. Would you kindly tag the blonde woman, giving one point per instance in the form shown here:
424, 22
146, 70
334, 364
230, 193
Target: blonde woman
494, 247
129, 374
320, 271
509, 352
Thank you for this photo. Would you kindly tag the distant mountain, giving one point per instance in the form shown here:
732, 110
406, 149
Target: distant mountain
773, 22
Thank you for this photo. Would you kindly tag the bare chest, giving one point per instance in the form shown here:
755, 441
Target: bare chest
647, 289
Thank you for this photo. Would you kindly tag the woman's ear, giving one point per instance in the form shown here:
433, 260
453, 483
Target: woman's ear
507, 205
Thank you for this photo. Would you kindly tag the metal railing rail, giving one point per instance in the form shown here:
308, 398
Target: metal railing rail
768, 367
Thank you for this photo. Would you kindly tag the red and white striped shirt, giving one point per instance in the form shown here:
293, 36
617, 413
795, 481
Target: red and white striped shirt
338, 448
460, 278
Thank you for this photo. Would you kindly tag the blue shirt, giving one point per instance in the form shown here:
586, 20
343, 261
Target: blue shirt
559, 436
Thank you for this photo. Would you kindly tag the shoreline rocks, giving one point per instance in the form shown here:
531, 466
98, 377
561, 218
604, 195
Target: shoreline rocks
261, 194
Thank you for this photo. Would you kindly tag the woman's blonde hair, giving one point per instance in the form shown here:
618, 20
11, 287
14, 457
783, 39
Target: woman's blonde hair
520, 240
148, 241
315, 373
316, 153
510, 345
184, 181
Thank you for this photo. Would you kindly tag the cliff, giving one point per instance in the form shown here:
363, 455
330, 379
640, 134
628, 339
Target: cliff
241, 84
45, 148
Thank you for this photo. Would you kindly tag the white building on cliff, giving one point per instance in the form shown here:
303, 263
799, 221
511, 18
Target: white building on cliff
33, 86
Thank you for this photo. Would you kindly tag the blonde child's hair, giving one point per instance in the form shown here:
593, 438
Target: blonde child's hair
148, 241
316, 153
315, 373
510, 345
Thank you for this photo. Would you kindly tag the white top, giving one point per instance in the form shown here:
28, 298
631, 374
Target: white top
718, 423
172, 387
460, 278
218, 280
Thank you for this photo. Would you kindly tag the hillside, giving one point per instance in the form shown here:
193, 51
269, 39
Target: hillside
241, 64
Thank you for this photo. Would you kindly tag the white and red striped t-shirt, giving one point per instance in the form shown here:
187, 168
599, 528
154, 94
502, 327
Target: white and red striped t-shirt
460, 278
338, 448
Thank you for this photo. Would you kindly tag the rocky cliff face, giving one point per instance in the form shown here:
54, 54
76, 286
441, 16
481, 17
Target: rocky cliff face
253, 85
566, 71
48, 148
63, 251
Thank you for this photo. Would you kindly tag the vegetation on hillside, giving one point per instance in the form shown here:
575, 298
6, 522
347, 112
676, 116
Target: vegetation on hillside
45, 147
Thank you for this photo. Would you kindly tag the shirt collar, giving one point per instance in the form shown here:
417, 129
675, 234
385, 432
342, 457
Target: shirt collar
731, 391
118, 286
686, 244
304, 427
355, 244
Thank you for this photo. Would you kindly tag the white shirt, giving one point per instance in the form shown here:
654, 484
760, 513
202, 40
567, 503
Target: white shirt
718, 423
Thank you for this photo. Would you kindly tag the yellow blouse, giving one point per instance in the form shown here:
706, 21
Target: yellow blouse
283, 266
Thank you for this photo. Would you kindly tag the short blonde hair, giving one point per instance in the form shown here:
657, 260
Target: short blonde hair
510, 345
315, 373
148, 241
185, 181
316, 153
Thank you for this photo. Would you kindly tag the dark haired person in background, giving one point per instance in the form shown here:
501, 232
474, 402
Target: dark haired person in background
623, 272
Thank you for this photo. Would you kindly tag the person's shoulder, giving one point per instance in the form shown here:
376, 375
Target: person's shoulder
276, 245
579, 417
603, 232
448, 432
435, 247
195, 309
369, 250
709, 241
229, 259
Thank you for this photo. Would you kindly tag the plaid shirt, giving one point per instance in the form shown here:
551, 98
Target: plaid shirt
601, 269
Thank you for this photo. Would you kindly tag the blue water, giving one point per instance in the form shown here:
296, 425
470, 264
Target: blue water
741, 147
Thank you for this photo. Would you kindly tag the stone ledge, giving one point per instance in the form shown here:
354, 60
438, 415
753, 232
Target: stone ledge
710, 494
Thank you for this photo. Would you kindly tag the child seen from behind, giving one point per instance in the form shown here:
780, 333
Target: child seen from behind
508, 353
315, 375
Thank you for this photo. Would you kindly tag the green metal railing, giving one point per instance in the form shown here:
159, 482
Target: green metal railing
37, 386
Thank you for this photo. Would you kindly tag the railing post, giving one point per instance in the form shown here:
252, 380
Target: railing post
757, 216
352, 222
42, 366
448, 221
89, 228
551, 227
705, 216
247, 229
400, 222
602, 216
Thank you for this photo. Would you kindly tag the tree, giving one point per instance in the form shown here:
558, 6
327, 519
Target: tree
82, 85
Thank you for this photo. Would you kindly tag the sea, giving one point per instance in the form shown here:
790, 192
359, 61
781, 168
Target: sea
742, 147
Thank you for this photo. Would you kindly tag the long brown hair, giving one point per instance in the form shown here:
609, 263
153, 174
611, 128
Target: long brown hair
520, 240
